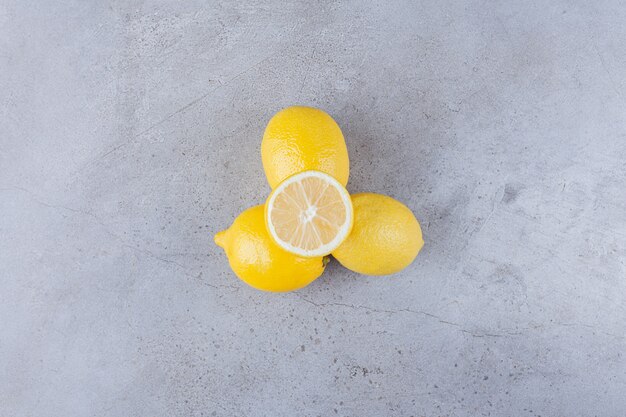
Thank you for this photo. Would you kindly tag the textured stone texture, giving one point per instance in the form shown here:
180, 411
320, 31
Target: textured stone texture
130, 133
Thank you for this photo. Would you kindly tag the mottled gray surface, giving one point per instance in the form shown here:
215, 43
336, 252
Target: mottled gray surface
130, 133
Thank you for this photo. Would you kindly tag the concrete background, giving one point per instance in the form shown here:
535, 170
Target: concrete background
130, 133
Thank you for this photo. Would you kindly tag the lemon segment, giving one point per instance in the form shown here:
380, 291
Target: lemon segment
309, 214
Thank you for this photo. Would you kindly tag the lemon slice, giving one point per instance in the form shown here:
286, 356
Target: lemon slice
309, 214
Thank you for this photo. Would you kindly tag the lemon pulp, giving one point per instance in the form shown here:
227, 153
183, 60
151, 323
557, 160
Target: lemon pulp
309, 214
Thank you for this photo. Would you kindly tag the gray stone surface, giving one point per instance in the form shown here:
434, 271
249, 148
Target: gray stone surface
130, 133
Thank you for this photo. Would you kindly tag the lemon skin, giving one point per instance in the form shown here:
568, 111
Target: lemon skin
386, 237
261, 263
302, 138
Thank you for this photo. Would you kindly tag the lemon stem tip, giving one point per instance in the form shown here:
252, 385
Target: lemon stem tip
220, 239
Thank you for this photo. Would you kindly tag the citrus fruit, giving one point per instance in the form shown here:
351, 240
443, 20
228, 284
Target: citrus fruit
261, 263
301, 138
309, 214
385, 237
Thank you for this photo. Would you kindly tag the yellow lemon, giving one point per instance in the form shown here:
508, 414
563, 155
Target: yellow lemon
261, 263
385, 237
309, 214
301, 138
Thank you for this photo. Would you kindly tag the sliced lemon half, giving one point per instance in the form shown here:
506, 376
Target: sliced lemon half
309, 214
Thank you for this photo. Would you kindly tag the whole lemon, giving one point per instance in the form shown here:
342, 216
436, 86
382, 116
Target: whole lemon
385, 237
301, 138
261, 263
